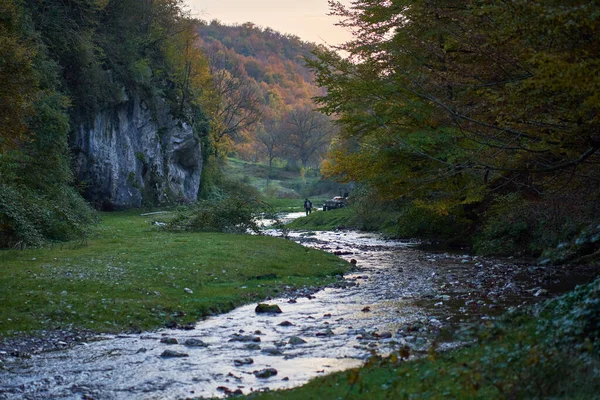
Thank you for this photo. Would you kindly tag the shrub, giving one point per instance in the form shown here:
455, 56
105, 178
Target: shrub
574, 318
515, 226
416, 221
30, 218
233, 214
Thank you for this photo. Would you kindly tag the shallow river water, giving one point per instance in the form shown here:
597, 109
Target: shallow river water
396, 296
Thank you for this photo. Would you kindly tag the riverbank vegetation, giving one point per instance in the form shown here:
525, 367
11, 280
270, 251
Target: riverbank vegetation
479, 118
62, 63
134, 276
552, 351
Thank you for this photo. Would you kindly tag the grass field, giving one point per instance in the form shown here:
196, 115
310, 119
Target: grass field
133, 276
284, 184
323, 220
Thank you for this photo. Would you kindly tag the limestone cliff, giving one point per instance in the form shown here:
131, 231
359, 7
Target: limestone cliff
133, 154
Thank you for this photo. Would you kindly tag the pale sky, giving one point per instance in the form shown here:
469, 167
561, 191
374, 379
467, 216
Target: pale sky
306, 19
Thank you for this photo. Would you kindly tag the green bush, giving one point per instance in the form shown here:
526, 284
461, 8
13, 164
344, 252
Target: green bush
28, 218
405, 219
232, 214
415, 221
515, 226
574, 319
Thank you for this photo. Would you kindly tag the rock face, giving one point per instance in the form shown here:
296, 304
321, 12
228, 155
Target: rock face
134, 154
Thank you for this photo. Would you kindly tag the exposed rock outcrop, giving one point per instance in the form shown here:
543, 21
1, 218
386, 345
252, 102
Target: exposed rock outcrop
133, 154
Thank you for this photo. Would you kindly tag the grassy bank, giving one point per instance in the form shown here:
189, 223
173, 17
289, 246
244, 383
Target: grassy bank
554, 354
323, 220
133, 276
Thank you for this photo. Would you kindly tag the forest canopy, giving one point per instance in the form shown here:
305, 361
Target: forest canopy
468, 108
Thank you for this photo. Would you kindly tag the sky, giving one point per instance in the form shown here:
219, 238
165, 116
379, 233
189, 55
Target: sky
306, 19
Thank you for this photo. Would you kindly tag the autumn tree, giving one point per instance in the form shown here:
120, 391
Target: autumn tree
17, 75
272, 63
308, 134
272, 137
446, 101
235, 105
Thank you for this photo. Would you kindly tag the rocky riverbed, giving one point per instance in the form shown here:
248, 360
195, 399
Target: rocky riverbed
397, 297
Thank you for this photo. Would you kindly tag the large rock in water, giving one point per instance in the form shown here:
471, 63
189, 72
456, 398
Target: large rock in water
133, 154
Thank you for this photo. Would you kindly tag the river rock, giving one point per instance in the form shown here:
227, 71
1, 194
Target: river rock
195, 343
265, 373
244, 338
296, 340
385, 335
243, 361
263, 308
252, 346
285, 323
272, 351
327, 332
169, 340
173, 354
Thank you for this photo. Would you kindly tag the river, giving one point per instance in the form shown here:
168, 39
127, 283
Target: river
397, 296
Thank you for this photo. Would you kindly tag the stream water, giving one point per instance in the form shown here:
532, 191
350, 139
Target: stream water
397, 296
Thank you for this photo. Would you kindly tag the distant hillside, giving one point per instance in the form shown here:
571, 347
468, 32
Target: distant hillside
272, 59
273, 65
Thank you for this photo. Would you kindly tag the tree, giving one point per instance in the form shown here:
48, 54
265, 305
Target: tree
236, 103
446, 101
271, 135
309, 133
37, 202
17, 77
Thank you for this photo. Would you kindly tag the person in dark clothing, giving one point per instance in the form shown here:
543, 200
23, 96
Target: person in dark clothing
307, 206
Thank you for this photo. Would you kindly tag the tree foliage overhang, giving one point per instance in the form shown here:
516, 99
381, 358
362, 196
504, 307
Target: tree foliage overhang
448, 101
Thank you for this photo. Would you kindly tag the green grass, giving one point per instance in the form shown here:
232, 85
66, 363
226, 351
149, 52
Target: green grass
285, 204
133, 276
285, 184
323, 220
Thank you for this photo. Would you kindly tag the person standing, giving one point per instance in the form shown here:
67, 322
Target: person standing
307, 206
